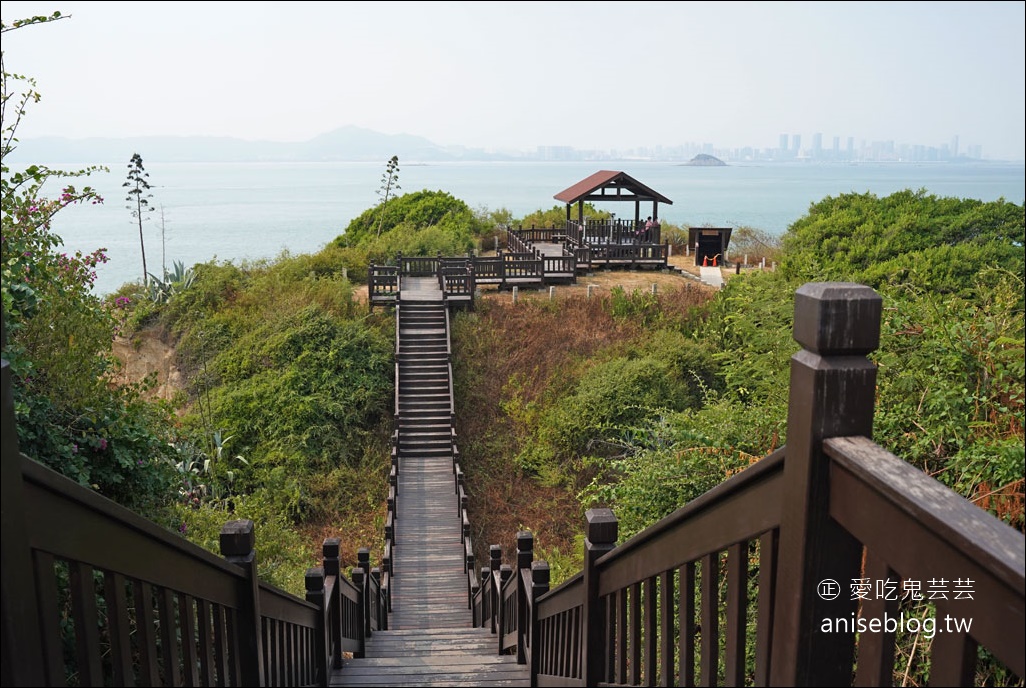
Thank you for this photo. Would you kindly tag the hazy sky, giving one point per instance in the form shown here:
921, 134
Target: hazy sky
516, 75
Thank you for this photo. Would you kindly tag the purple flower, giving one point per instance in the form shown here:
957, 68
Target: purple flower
182, 528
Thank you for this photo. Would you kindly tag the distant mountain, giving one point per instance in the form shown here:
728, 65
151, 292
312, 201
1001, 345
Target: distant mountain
347, 143
356, 144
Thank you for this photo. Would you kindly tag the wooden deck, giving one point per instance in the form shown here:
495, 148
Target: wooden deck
430, 639
420, 289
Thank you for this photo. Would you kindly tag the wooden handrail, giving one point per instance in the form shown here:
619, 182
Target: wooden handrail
886, 504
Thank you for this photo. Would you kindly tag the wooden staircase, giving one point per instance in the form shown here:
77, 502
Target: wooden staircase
431, 639
423, 388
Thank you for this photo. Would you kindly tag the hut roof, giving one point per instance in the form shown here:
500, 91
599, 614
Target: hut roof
610, 185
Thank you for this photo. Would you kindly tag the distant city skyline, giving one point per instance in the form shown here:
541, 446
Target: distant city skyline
513, 76
351, 143
788, 149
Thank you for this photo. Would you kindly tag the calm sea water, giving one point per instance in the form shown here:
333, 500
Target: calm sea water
250, 211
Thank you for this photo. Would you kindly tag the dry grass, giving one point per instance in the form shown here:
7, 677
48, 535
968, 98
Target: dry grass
531, 350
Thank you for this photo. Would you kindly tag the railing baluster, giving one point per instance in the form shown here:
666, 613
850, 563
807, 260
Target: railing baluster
120, 629
952, 657
86, 620
206, 641
169, 637
710, 653
666, 628
876, 650
220, 647
634, 619
187, 633
650, 634
737, 618
622, 637
765, 605
686, 575
145, 628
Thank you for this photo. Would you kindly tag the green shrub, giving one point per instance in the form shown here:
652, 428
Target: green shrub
282, 555
611, 398
417, 211
556, 217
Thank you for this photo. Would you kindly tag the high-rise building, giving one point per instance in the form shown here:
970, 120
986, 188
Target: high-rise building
817, 145
954, 146
796, 144
783, 143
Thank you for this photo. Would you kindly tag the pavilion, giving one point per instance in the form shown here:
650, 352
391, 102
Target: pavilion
610, 185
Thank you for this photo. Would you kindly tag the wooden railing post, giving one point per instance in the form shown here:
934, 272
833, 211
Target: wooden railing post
832, 394
539, 586
380, 614
315, 595
475, 591
238, 542
525, 555
494, 600
505, 573
23, 655
486, 601
332, 562
359, 582
363, 562
602, 529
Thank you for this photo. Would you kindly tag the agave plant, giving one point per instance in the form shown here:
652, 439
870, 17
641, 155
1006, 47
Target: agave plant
174, 282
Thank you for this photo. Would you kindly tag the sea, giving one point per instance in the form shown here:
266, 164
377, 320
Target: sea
246, 212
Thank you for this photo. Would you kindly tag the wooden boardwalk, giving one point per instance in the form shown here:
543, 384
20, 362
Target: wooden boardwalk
548, 248
431, 640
